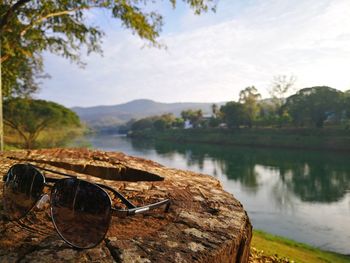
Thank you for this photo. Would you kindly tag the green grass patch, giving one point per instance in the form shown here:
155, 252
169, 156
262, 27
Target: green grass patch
48, 138
313, 139
10, 147
298, 252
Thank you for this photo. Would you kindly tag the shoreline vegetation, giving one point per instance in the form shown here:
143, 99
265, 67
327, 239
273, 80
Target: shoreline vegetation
316, 118
270, 248
292, 138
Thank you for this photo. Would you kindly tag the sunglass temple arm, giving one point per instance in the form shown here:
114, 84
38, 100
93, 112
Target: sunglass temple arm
119, 195
132, 209
141, 209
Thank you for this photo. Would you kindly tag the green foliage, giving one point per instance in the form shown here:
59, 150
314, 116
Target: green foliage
216, 117
267, 114
178, 123
328, 139
30, 27
214, 122
143, 124
249, 98
29, 118
346, 104
309, 107
314, 105
233, 114
244, 112
194, 116
160, 123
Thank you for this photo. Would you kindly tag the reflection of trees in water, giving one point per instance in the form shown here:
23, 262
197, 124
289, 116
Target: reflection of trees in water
227, 160
282, 197
319, 181
192, 157
143, 146
313, 176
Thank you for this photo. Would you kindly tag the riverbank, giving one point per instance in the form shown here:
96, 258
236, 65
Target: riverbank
311, 139
269, 248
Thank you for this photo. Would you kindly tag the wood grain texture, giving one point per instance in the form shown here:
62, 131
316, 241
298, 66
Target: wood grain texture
204, 224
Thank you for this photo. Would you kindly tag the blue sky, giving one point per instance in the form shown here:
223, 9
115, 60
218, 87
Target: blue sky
210, 58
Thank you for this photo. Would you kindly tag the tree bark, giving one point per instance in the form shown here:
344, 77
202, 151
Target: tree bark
204, 224
1, 112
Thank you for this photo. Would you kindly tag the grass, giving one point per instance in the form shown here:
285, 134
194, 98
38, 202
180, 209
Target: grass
313, 139
48, 138
10, 147
298, 252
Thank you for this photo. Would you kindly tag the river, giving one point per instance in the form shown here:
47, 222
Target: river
302, 195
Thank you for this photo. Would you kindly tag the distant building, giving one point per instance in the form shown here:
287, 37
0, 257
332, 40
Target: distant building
188, 124
207, 116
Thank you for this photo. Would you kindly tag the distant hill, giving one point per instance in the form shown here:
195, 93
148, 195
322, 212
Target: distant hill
114, 115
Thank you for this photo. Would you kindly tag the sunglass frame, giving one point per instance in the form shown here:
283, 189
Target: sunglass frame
130, 211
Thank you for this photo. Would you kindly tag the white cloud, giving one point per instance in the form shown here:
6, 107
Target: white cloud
212, 61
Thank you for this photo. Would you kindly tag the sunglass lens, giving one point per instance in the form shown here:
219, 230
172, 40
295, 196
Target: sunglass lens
81, 212
23, 187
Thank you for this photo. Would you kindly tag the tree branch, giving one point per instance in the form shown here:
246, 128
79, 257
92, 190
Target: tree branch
41, 126
10, 123
4, 58
60, 13
15, 127
10, 12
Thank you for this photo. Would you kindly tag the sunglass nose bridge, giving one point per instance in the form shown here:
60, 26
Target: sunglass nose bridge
44, 202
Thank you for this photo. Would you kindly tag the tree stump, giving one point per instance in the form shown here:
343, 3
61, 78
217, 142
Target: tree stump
204, 223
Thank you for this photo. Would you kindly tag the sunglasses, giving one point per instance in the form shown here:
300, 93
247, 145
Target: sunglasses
81, 211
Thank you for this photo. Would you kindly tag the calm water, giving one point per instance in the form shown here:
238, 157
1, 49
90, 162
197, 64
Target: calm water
302, 195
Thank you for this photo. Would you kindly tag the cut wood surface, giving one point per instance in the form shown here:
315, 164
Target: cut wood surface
204, 223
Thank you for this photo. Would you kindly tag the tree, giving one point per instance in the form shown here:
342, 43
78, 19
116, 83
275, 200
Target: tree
143, 124
281, 85
29, 27
215, 110
160, 123
267, 115
249, 98
216, 117
194, 116
232, 113
314, 105
165, 121
346, 109
31, 117
178, 123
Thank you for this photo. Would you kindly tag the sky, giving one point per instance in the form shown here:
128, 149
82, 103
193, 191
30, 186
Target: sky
211, 57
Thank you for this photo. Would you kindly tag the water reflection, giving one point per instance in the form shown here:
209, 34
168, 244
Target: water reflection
312, 176
302, 195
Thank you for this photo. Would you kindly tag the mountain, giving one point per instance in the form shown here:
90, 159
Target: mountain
114, 115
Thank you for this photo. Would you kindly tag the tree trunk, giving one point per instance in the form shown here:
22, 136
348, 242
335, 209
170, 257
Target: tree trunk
1, 117
204, 223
